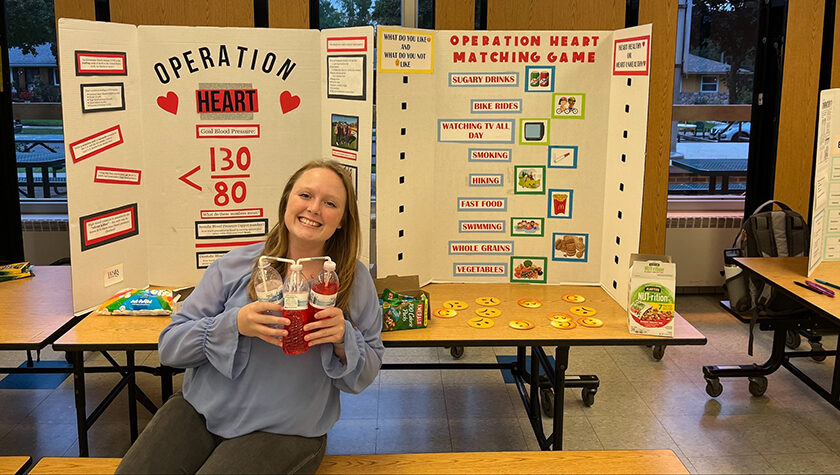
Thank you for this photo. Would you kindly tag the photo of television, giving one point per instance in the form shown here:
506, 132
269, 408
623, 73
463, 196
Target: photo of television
534, 131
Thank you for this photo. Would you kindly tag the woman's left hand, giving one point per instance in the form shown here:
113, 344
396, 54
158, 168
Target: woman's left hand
328, 327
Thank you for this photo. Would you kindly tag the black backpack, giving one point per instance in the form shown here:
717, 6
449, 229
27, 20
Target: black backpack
769, 233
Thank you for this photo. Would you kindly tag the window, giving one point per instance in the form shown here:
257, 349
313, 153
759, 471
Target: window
708, 84
715, 62
54, 76
341, 13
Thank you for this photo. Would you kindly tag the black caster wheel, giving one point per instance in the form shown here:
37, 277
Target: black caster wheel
547, 401
817, 346
713, 387
658, 352
457, 352
758, 385
588, 396
792, 339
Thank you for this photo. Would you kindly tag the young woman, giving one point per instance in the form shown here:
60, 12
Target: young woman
246, 406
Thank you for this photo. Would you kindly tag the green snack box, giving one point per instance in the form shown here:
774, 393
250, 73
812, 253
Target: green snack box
404, 305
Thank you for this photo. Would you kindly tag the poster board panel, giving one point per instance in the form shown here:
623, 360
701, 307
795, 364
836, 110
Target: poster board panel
825, 221
103, 143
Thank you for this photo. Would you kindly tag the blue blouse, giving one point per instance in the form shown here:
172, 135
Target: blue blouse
242, 384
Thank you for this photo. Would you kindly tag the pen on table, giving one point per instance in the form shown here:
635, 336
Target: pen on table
819, 287
812, 289
828, 283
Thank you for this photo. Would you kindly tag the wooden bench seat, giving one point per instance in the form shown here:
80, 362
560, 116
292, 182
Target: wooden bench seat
14, 465
600, 461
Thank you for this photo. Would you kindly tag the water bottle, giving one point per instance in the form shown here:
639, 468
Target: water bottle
324, 289
268, 285
296, 309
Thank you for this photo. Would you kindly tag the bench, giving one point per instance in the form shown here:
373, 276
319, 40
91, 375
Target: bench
597, 461
14, 465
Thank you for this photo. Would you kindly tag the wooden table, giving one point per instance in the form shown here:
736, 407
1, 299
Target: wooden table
593, 461
14, 465
456, 332
114, 333
819, 312
35, 312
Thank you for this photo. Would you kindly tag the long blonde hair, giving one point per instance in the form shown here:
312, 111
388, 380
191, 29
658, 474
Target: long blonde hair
342, 246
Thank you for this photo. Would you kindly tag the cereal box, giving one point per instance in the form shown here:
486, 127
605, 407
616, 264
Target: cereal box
650, 309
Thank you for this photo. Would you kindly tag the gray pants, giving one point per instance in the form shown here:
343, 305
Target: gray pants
177, 441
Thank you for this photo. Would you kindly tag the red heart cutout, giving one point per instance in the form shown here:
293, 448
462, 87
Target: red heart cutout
288, 102
169, 102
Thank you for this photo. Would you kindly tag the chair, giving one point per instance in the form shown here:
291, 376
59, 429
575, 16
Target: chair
700, 127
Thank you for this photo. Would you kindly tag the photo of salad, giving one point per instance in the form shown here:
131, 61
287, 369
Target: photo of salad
528, 269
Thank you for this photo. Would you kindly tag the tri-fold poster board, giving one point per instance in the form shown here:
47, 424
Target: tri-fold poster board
825, 216
513, 156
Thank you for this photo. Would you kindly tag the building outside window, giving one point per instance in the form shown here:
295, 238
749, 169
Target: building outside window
708, 84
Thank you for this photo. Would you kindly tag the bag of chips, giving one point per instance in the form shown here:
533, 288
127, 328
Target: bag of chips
403, 312
139, 302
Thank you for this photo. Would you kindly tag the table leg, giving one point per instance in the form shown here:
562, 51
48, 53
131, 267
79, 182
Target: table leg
132, 394
45, 180
165, 383
835, 381
561, 362
79, 391
536, 411
30, 183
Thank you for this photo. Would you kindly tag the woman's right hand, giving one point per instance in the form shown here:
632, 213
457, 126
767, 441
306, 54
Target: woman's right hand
254, 320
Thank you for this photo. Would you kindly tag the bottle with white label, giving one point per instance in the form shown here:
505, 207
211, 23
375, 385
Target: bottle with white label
296, 309
324, 289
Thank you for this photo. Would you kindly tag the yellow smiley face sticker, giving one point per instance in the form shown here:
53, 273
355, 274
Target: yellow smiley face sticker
488, 301
521, 324
563, 324
444, 312
480, 322
560, 317
583, 311
590, 322
574, 298
488, 312
455, 304
530, 303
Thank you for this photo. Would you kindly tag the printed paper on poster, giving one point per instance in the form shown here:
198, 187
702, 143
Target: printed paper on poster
99, 63
204, 259
120, 176
476, 130
236, 228
103, 97
346, 77
96, 143
108, 226
631, 56
405, 51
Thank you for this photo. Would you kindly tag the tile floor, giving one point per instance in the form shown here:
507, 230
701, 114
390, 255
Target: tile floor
642, 404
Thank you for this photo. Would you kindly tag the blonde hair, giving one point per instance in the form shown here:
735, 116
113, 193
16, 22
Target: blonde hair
342, 246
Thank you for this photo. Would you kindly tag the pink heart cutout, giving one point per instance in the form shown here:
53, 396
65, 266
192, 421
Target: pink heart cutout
288, 102
169, 102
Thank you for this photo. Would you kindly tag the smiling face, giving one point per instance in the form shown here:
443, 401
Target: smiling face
315, 208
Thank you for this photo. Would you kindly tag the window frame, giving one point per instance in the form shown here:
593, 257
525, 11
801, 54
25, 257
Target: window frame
716, 83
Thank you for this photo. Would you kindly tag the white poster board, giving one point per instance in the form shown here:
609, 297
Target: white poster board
825, 216
511, 156
182, 138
